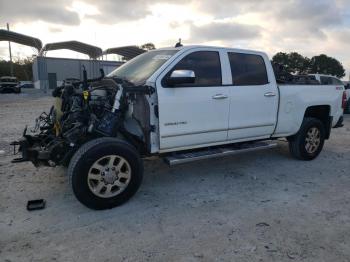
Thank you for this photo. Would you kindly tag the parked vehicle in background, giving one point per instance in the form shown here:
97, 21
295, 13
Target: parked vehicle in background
327, 79
181, 104
9, 84
26, 84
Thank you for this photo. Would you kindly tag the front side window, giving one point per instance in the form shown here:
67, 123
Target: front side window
247, 69
206, 67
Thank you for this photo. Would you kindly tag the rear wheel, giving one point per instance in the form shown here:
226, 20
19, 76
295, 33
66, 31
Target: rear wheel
105, 173
308, 142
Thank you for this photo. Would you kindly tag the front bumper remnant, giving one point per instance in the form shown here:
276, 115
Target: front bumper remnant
30, 152
31, 149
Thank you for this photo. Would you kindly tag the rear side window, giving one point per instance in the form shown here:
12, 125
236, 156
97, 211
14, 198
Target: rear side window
247, 69
206, 66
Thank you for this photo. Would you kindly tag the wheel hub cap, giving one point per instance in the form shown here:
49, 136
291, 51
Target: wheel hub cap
109, 176
312, 140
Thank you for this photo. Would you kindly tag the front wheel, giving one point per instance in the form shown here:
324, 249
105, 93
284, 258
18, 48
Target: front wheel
308, 142
105, 173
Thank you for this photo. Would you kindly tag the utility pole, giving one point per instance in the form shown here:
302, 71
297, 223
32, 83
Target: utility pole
11, 65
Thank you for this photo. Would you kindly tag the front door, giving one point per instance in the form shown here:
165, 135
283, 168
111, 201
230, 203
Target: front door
194, 114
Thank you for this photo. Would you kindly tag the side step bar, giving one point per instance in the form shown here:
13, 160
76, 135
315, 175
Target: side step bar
181, 158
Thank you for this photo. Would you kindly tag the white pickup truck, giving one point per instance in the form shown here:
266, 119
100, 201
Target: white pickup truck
181, 104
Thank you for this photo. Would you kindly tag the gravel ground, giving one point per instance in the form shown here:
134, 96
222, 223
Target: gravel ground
262, 206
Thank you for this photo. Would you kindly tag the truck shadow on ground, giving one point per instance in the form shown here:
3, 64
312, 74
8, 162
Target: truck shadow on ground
187, 185
183, 187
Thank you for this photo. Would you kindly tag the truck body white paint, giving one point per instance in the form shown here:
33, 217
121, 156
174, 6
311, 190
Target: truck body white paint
191, 117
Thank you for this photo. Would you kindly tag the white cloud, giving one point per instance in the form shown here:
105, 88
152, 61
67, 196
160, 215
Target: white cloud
54, 11
223, 31
308, 27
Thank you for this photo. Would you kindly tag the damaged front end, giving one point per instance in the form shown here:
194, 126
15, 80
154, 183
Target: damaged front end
40, 146
83, 111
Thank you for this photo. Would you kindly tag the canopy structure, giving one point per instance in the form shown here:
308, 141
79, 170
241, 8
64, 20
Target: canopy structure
92, 51
6, 35
128, 52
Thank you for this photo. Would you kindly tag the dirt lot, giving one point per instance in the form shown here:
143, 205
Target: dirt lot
262, 206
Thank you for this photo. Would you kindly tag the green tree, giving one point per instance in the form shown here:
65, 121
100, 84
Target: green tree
293, 62
148, 46
22, 69
300, 64
281, 58
323, 64
297, 64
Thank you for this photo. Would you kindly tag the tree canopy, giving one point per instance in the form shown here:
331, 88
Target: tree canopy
327, 65
295, 63
22, 69
148, 46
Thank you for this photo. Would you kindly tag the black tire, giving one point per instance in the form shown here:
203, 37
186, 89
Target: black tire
87, 155
297, 143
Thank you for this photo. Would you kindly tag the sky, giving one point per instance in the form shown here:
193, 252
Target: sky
309, 27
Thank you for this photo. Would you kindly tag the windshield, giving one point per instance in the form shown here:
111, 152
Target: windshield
139, 69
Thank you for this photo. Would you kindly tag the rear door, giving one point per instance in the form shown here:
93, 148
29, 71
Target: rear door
195, 114
253, 97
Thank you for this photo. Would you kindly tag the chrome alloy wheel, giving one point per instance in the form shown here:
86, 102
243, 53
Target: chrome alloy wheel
109, 176
312, 140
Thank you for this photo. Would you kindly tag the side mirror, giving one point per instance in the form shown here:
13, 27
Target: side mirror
179, 77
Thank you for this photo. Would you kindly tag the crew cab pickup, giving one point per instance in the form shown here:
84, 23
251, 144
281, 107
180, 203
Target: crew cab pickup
181, 104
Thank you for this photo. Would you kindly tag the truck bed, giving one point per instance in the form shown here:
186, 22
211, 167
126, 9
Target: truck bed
295, 99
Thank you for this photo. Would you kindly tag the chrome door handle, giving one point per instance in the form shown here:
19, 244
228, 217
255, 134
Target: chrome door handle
220, 96
269, 94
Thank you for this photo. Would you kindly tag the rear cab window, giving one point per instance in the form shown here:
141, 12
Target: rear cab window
247, 69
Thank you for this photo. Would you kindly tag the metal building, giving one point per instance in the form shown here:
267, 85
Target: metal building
49, 72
